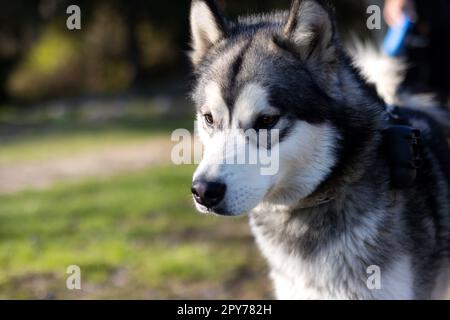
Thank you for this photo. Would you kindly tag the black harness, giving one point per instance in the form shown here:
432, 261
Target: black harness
402, 146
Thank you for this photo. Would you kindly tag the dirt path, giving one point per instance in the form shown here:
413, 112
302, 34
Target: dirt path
41, 174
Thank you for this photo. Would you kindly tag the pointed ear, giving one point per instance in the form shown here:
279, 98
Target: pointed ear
310, 27
207, 27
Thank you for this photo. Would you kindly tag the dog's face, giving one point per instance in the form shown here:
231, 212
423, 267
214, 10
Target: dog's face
258, 77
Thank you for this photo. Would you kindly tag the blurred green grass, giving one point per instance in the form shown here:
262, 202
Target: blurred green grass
56, 146
62, 130
133, 236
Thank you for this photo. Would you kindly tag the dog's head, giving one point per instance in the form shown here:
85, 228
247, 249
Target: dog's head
270, 73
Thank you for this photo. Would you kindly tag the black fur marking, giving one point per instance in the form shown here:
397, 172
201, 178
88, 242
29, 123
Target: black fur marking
229, 88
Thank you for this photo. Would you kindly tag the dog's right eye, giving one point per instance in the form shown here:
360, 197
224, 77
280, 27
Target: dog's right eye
266, 122
209, 118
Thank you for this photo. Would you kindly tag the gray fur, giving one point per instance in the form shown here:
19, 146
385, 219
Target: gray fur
321, 250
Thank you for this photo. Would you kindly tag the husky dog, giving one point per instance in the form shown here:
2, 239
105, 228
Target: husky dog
330, 216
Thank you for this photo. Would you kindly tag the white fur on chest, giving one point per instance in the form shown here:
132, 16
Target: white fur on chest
336, 273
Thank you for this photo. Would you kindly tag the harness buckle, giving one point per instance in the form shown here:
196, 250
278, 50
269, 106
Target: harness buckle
402, 146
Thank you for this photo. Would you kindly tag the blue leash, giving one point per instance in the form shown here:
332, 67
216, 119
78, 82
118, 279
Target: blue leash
395, 38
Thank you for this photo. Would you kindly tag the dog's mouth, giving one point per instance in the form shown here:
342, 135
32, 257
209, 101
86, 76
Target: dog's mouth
221, 212
216, 210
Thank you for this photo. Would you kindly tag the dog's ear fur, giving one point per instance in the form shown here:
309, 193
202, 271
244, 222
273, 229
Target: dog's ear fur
310, 28
207, 27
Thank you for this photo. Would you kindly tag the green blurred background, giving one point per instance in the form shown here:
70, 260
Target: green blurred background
85, 171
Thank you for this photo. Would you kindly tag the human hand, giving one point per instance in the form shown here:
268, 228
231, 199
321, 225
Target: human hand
394, 10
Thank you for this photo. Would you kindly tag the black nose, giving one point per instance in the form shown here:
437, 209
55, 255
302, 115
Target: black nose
208, 194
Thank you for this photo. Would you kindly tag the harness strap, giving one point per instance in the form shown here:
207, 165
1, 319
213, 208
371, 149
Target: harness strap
402, 145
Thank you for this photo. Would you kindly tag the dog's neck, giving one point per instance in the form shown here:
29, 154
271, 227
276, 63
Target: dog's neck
314, 245
361, 138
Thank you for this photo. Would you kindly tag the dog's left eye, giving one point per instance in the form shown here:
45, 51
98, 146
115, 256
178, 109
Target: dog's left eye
266, 122
209, 119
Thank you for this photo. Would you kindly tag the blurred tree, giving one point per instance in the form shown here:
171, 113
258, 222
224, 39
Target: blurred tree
122, 43
19, 23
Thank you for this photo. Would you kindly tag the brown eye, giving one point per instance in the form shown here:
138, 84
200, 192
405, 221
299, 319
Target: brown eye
266, 122
208, 118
